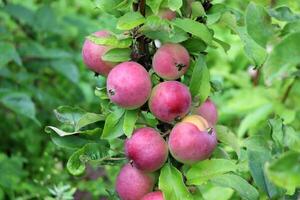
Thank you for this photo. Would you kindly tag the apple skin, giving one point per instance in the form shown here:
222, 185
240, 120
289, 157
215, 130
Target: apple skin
171, 61
92, 53
170, 100
147, 149
189, 145
129, 85
167, 14
158, 195
209, 111
198, 121
133, 184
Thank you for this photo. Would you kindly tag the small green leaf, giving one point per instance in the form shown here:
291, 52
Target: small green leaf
194, 46
111, 41
90, 152
285, 171
73, 142
172, 185
154, 5
8, 53
227, 137
258, 24
240, 185
76, 117
195, 28
200, 81
149, 119
253, 118
197, 9
292, 138
284, 57
130, 20
257, 160
203, 171
276, 126
174, 4
113, 126
130, 118
66, 68
117, 55
284, 13
21, 104
223, 44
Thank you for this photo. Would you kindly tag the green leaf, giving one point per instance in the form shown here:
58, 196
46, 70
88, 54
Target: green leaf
257, 160
66, 68
130, 118
171, 183
174, 4
284, 13
276, 126
200, 81
203, 171
90, 152
258, 24
149, 119
284, 57
117, 55
195, 28
76, 117
110, 41
227, 137
254, 51
176, 35
194, 46
113, 126
285, 171
8, 53
240, 185
292, 138
223, 44
21, 104
154, 5
291, 27
21, 13
130, 20
253, 118
197, 9
73, 142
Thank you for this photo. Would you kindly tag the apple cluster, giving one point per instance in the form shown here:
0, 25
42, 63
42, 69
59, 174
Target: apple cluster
192, 138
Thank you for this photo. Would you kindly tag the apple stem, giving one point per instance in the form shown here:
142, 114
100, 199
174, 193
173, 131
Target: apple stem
180, 66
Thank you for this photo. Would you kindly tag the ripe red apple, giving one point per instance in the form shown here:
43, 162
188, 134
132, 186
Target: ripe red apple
170, 100
158, 195
208, 110
190, 141
133, 184
167, 14
129, 85
147, 149
171, 61
92, 54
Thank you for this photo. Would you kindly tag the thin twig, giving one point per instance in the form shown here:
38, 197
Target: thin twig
287, 92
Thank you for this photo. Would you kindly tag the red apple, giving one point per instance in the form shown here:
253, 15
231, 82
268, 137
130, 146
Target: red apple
158, 195
167, 14
208, 110
133, 184
147, 149
170, 100
92, 54
191, 140
129, 85
171, 61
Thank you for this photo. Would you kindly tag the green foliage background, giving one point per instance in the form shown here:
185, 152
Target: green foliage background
41, 69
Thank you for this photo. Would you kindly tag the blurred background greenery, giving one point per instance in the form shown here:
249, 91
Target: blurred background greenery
41, 68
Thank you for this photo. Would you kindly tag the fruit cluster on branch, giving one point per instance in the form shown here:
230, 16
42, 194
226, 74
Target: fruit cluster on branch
189, 132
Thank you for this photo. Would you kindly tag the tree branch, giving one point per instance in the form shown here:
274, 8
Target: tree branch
287, 92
